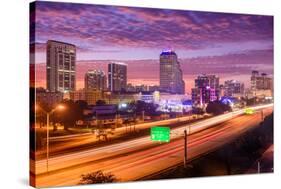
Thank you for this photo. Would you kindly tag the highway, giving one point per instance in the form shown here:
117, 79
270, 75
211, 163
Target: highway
69, 143
135, 159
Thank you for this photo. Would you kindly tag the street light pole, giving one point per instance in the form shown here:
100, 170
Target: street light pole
185, 148
47, 132
47, 148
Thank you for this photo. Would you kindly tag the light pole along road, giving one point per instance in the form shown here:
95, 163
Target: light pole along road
48, 113
138, 159
80, 157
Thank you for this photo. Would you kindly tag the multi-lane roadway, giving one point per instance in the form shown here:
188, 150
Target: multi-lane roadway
141, 157
70, 143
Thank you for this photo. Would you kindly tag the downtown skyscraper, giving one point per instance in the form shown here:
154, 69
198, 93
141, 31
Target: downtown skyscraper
233, 88
117, 77
206, 89
95, 80
261, 84
60, 69
171, 79
261, 81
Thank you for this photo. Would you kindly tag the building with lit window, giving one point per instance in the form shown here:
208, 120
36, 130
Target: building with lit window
171, 79
90, 96
261, 85
261, 82
60, 69
142, 88
206, 89
233, 88
117, 76
95, 80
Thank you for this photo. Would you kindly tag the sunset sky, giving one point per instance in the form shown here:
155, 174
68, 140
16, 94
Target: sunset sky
229, 45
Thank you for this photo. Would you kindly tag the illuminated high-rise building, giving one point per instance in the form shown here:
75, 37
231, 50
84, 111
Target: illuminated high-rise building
117, 76
171, 79
233, 88
261, 83
206, 89
95, 80
61, 61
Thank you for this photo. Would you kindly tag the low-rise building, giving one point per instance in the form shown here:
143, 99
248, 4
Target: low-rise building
90, 96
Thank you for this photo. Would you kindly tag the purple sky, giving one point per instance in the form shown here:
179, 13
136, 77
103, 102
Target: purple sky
126, 33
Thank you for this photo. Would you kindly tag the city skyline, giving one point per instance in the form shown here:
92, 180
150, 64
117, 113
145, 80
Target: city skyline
151, 76
225, 43
122, 94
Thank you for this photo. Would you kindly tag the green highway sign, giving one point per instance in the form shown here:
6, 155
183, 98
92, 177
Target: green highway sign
161, 134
